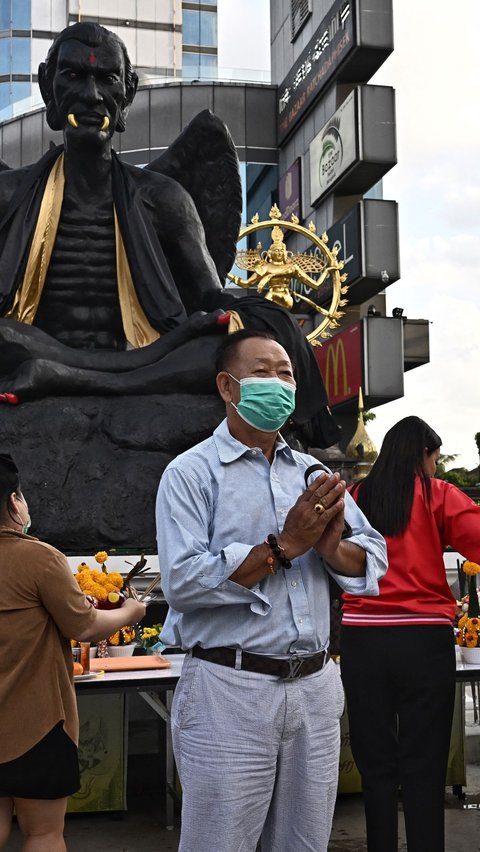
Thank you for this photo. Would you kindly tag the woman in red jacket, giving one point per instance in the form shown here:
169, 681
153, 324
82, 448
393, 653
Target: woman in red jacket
397, 649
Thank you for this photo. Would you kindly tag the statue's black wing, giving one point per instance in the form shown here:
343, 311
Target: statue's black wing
204, 160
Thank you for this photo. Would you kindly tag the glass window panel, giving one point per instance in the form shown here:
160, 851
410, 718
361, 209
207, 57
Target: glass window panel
21, 14
4, 95
198, 65
21, 56
191, 66
208, 29
191, 26
5, 55
208, 61
5, 14
199, 28
20, 91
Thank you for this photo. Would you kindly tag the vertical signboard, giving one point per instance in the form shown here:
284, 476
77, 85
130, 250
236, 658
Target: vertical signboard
289, 191
340, 363
368, 354
317, 65
346, 235
334, 150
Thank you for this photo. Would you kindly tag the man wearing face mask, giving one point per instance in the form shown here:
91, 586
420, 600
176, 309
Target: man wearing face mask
244, 550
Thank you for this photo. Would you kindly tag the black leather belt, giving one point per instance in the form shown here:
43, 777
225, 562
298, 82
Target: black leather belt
286, 669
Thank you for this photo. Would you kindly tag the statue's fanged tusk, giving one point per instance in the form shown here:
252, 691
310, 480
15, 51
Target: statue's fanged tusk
72, 120
105, 123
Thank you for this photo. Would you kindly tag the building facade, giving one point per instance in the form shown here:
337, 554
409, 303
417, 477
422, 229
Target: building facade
336, 140
165, 39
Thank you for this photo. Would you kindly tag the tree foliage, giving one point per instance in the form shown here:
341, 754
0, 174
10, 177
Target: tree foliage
459, 476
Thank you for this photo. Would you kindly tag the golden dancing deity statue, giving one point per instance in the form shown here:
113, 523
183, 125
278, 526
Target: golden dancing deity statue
277, 270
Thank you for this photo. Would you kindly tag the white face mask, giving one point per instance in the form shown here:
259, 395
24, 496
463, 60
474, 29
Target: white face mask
27, 525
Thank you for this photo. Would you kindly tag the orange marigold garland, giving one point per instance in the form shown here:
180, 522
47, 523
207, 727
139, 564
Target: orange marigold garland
106, 590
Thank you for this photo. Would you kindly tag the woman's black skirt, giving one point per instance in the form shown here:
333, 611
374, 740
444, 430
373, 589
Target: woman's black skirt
49, 770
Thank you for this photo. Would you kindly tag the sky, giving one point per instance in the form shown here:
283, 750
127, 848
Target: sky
244, 39
436, 182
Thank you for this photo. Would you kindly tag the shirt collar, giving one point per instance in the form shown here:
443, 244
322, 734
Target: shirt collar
229, 449
4, 530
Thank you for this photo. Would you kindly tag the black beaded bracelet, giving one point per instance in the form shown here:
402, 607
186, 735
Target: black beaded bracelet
278, 551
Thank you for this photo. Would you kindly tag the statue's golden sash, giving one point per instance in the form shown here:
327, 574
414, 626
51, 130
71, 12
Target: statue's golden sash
234, 323
136, 326
138, 330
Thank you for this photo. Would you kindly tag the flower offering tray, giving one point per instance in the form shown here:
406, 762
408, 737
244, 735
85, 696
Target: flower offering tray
129, 664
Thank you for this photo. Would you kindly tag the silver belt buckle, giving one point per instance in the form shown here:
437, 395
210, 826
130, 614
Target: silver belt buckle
295, 669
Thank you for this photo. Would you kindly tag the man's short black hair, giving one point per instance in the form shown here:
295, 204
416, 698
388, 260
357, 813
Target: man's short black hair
227, 350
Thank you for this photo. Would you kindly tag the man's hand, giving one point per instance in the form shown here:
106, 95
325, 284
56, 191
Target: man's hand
328, 542
316, 519
306, 526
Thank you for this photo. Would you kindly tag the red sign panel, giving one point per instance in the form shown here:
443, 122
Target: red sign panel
340, 362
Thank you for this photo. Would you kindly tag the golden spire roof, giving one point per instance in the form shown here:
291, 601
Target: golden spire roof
361, 446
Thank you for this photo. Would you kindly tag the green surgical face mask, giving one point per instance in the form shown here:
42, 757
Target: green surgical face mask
265, 404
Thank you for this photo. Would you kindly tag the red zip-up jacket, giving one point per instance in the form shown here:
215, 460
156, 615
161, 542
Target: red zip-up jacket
415, 589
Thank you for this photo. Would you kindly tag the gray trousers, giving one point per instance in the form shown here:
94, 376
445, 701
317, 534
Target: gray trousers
257, 757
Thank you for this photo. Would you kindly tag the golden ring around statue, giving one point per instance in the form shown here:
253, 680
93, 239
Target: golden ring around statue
319, 508
277, 272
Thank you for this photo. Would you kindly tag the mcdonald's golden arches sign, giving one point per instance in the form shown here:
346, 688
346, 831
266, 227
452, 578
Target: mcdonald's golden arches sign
340, 362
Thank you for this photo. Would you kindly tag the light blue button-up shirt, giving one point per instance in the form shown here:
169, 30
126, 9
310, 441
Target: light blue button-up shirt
215, 502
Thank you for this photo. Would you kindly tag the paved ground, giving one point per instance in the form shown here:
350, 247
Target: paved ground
141, 828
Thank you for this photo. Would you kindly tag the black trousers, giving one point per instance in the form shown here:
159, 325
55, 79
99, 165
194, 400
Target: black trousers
400, 690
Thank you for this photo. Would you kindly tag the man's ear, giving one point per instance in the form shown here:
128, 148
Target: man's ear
223, 385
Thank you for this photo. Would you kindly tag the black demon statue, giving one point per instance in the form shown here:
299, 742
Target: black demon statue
112, 276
